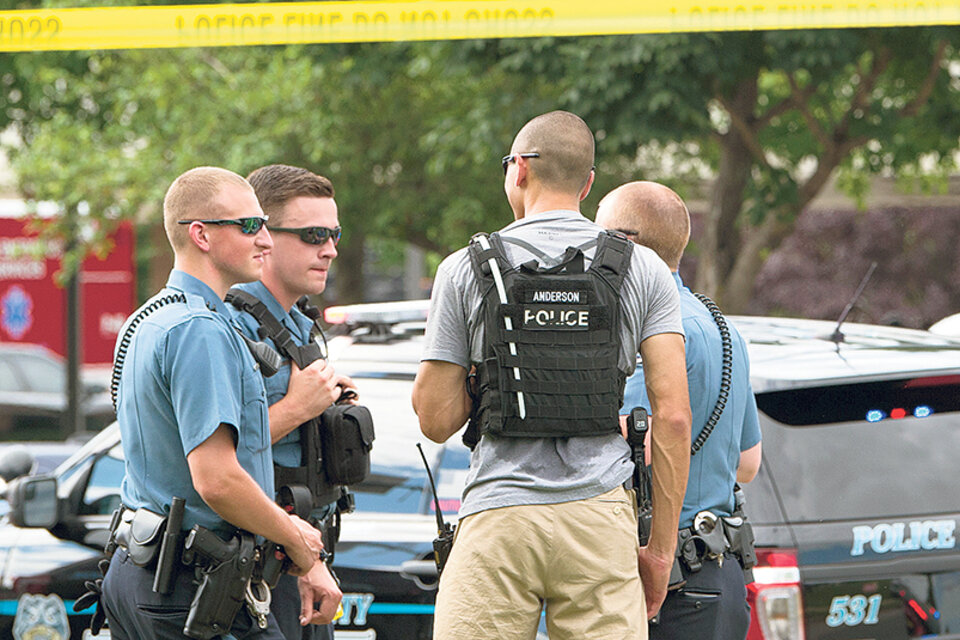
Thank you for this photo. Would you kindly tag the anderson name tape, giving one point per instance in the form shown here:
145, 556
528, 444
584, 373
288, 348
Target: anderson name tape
325, 22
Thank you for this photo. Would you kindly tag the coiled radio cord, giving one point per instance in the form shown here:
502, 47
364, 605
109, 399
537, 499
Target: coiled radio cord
124, 343
726, 372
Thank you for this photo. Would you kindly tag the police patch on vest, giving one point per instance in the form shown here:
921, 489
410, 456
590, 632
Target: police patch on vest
556, 317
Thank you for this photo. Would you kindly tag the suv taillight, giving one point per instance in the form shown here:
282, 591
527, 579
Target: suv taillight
774, 597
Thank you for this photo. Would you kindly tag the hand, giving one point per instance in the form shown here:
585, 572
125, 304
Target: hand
318, 586
655, 576
313, 389
348, 390
304, 550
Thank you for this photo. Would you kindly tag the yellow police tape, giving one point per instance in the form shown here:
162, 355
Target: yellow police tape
391, 20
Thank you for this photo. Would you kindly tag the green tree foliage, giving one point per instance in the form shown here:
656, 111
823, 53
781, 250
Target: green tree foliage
108, 131
411, 133
772, 115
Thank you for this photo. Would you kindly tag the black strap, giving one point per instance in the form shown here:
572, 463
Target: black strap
272, 328
726, 372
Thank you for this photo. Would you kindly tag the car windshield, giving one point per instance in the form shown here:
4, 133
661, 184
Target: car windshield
868, 450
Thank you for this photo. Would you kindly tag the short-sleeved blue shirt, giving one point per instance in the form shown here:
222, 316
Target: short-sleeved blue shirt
286, 452
713, 470
186, 372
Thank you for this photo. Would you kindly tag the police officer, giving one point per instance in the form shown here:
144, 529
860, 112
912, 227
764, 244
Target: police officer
712, 604
192, 408
305, 231
551, 312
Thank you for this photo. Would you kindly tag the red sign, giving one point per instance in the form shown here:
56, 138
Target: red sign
33, 308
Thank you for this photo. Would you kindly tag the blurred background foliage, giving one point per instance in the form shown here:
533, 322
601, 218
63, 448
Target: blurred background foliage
752, 125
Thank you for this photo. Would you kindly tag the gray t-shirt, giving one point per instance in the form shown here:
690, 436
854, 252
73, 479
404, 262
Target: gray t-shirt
518, 471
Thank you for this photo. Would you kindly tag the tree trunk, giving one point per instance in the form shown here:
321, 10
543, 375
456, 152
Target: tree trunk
721, 236
739, 282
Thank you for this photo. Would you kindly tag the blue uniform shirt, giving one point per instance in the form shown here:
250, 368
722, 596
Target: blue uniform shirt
713, 470
187, 371
286, 452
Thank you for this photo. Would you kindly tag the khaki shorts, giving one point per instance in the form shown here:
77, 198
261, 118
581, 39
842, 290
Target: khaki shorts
577, 558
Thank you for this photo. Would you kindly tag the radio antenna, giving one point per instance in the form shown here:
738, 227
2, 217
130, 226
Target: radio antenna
441, 527
837, 335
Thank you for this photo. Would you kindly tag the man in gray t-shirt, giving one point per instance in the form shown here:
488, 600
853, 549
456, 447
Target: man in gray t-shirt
545, 521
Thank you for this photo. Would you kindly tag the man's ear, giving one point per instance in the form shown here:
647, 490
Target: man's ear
198, 236
523, 171
586, 188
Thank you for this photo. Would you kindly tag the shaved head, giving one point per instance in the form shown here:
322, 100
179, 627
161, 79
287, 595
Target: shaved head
650, 214
565, 144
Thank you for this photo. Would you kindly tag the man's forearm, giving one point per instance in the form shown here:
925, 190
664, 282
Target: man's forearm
233, 494
241, 502
670, 461
440, 399
284, 417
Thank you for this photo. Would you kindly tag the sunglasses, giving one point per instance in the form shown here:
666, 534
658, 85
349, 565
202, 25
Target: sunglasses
506, 160
312, 235
249, 226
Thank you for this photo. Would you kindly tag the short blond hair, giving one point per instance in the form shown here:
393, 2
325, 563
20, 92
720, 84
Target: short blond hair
652, 215
193, 195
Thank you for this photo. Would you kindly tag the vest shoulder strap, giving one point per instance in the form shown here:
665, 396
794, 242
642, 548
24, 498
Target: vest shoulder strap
270, 327
612, 259
480, 257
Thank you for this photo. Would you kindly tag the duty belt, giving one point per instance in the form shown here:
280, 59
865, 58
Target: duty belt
229, 573
712, 536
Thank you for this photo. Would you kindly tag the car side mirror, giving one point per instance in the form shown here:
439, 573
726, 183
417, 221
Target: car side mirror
33, 502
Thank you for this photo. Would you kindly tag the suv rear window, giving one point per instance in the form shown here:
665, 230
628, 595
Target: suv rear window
864, 450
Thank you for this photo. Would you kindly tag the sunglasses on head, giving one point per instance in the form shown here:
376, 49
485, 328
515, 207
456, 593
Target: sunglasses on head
249, 226
312, 235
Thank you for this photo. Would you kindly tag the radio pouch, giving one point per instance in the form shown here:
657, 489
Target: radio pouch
143, 537
346, 433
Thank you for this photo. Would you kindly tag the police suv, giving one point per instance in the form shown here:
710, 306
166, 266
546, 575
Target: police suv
854, 508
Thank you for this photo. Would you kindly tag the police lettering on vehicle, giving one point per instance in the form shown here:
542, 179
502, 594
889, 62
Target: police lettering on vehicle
355, 608
904, 536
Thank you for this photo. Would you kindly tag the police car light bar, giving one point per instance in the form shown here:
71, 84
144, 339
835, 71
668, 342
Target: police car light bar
384, 313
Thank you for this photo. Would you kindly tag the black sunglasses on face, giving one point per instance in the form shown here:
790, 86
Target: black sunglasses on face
506, 160
249, 226
312, 235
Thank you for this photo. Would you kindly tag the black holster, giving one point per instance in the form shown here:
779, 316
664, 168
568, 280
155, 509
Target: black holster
225, 569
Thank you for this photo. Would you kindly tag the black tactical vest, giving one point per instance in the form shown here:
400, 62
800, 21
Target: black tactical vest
551, 352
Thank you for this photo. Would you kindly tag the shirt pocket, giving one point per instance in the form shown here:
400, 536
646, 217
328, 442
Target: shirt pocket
254, 427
